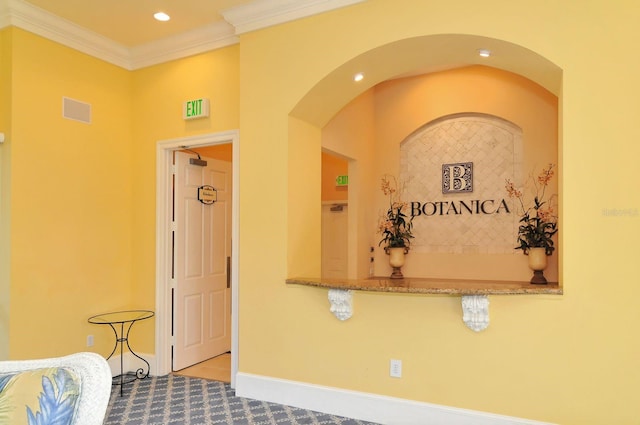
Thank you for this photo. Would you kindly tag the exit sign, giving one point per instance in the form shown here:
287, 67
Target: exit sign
342, 181
196, 108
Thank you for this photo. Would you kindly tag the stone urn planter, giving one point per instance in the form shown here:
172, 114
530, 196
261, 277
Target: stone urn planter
396, 260
538, 263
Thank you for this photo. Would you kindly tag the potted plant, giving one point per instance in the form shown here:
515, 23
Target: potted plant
538, 223
395, 227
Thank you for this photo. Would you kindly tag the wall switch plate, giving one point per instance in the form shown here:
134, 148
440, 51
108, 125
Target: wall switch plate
89, 340
395, 368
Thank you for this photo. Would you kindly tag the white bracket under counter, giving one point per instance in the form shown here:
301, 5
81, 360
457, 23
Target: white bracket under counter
475, 308
341, 301
474, 293
475, 312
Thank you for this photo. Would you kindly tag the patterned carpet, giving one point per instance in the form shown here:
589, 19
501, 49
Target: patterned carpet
179, 400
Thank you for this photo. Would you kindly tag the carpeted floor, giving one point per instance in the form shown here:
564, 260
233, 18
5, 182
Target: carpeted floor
180, 400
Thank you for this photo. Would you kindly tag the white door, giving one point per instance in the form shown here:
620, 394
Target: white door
201, 254
335, 228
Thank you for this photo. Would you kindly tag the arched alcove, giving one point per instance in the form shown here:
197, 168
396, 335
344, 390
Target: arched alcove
397, 63
421, 55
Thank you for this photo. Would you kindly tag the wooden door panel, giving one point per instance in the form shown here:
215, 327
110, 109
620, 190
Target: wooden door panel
202, 319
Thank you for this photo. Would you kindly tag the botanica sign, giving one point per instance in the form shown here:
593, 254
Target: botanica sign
454, 171
458, 178
475, 206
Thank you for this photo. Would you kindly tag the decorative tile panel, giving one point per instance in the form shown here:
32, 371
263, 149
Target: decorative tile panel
462, 221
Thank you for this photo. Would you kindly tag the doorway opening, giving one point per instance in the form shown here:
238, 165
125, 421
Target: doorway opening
335, 218
164, 243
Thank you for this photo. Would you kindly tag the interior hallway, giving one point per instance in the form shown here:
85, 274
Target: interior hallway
216, 369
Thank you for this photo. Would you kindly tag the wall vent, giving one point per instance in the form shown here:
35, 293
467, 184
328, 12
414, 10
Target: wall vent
75, 110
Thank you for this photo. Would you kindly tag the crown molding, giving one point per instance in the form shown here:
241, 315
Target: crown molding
265, 13
199, 40
252, 16
45, 24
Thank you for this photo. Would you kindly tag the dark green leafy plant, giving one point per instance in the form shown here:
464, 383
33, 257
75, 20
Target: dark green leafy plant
395, 226
539, 222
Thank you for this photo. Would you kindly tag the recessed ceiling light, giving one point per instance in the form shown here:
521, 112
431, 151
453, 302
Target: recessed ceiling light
485, 53
161, 16
358, 77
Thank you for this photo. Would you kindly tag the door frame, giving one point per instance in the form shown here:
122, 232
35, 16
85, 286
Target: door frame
164, 151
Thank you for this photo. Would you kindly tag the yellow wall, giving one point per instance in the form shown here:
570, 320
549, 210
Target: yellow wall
546, 358
332, 167
83, 204
221, 152
158, 94
404, 105
71, 199
351, 133
5, 188
86, 242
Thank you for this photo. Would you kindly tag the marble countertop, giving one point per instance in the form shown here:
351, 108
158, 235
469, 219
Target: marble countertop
431, 286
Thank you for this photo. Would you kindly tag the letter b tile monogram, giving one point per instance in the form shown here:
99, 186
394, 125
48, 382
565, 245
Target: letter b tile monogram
457, 178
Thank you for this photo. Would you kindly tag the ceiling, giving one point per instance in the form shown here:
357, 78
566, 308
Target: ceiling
124, 32
131, 23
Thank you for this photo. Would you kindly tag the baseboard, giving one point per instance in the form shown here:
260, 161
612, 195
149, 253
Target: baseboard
364, 406
131, 363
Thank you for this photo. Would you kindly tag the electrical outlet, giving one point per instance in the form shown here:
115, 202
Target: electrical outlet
89, 340
395, 368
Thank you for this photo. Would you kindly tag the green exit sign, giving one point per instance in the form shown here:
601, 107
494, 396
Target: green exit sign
196, 108
342, 181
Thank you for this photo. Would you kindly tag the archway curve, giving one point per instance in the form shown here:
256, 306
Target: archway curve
498, 119
402, 58
421, 55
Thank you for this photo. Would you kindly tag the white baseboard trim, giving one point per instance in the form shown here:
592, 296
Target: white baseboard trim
131, 363
364, 406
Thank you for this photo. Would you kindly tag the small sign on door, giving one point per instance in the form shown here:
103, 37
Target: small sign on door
207, 194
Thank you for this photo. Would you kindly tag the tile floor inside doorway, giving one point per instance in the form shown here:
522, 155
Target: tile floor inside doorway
216, 369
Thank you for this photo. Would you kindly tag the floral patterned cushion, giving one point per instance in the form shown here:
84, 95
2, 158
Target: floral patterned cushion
45, 396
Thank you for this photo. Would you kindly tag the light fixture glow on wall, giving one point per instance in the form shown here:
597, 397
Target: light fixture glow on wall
485, 53
161, 16
358, 77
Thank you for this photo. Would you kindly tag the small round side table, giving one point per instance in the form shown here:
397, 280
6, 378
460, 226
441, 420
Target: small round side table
128, 317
